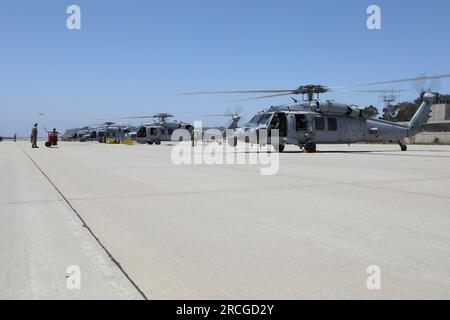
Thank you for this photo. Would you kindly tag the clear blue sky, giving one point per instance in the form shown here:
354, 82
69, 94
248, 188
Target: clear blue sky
131, 56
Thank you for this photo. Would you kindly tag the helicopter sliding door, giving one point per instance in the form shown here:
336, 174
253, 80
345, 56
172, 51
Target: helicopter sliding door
300, 127
280, 122
154, 133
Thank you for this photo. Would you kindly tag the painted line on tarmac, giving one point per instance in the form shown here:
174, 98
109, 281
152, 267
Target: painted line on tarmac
88, 228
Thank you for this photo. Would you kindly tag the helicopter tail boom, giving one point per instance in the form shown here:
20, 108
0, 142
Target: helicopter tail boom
422, 115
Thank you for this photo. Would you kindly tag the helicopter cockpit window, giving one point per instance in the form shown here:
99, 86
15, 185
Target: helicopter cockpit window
320, 124
260, 119
332, 124
265, 118
141, 132
255, 119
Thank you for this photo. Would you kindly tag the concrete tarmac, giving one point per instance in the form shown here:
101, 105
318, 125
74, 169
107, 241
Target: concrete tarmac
224, 232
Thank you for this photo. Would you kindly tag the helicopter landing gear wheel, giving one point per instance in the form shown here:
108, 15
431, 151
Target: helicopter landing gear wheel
158, 142
310, 148
403, 146
150, 142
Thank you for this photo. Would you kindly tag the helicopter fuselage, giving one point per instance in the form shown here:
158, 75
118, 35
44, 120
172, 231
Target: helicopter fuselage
320, 122
158, 132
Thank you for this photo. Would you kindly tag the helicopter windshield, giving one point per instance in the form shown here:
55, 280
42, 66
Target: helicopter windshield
253, 120
263, 118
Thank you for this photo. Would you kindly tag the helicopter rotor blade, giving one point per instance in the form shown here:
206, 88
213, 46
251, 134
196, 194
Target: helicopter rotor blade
238, 110
215, 115
234, 92
370, 91
229, 112
95, 125
266, 97
414, 79
419, 86
435, 85
137, 117
311, 89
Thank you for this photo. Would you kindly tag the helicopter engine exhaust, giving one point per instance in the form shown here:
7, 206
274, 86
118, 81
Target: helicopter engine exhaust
332, 107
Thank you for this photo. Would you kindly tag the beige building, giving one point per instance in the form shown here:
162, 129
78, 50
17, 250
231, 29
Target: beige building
437, 130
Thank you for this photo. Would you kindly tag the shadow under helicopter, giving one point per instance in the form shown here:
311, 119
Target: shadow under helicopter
371, 152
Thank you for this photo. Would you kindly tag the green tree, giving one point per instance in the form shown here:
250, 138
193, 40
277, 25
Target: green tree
442, 98
404, 111
370, 112
401, 112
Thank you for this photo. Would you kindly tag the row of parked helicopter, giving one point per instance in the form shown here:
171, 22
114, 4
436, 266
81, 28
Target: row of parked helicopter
155, 132
302, 123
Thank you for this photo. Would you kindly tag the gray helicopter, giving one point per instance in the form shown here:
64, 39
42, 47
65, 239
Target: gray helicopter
314, 121
159, 130
109, 130
98, 132
205, 132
